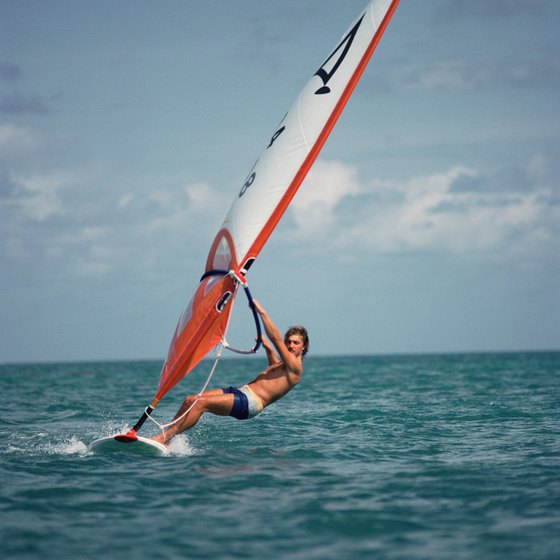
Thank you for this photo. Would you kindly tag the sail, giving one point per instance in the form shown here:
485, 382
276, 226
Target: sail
268, 190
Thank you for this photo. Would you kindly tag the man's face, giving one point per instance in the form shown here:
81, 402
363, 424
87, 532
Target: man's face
294, 344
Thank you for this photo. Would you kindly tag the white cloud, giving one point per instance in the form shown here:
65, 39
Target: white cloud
16, 141
326, 185
496, 10
449, 75
51, 220
33, 198
202, 197
125, 201
91, 268
421, 214
157, 225
191, 208
459, 75
40, 197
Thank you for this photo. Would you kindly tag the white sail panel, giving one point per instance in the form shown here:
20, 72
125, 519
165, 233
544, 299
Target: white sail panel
282, 166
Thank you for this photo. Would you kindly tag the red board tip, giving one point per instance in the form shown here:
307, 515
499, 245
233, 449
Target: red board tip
126, 438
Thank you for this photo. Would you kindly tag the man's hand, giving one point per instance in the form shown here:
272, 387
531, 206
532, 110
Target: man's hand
266, 344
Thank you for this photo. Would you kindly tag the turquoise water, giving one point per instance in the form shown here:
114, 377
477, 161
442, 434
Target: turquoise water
427, 457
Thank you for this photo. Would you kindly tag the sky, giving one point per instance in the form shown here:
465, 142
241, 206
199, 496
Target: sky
428, 224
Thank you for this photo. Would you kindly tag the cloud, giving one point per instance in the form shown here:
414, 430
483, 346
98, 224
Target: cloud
40, 195
467, 75
327, 184
201, 196
30, 209
426, 214
34, 198
147, 233
17, 141
61, 223
192, 207
495, 10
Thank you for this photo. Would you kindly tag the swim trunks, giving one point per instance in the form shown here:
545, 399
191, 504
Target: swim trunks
246, 404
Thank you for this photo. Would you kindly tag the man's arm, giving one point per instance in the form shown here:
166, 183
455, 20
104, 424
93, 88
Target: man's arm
270, 353
275, 336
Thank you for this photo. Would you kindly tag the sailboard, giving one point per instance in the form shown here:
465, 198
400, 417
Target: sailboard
265, 195
137, 445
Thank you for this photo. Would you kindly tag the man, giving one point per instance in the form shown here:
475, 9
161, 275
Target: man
282, 374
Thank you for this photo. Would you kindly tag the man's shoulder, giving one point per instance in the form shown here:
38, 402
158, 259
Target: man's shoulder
296, 367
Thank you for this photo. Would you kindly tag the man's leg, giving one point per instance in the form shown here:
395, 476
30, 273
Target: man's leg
214, 401
190, 400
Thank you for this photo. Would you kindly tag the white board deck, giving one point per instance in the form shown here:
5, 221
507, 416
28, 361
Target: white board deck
140, 446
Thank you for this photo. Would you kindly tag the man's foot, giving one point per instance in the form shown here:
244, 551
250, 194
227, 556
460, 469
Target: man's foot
160, 438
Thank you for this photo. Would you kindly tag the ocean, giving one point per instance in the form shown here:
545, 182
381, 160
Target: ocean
391, 457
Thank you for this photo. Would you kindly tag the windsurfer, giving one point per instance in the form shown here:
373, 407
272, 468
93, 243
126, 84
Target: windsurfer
285, 367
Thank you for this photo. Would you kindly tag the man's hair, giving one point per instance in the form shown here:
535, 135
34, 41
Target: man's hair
301, 331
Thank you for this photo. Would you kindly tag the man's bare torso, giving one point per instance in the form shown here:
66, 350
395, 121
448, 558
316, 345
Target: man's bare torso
274, 382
